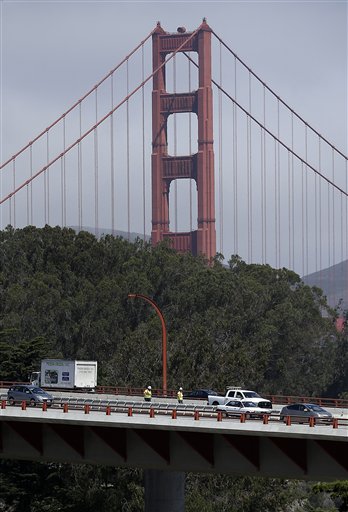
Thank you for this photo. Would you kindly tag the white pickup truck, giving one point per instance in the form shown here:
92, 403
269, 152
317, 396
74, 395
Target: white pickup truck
240, 394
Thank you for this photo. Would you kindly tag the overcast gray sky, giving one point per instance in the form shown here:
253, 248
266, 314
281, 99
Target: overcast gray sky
52, 52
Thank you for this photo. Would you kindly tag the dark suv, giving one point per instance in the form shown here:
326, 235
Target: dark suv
30, 394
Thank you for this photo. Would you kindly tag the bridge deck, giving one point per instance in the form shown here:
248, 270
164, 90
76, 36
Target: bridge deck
181, 444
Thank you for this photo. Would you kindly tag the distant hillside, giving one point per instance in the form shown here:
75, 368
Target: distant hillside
334, 283
333, 280
116, 232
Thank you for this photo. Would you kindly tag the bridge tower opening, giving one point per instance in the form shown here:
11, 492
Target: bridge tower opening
199, 166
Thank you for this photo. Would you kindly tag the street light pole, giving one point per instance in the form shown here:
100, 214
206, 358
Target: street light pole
164, 335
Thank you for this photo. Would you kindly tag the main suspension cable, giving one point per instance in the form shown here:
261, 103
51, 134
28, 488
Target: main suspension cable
106, 116
80, 100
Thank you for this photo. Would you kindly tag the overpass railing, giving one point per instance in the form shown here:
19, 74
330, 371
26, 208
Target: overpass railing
157, 392
195, 412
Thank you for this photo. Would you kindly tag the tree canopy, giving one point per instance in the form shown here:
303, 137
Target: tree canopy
65, 294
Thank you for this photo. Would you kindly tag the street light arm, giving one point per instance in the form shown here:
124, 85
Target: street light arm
164, 334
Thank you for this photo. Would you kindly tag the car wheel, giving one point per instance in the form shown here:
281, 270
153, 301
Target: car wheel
215, 403
32, 403
11, 400
226, 414
247, 416
281, 418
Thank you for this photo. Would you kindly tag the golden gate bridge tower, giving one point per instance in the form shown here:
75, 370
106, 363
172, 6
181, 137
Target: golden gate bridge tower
198, 167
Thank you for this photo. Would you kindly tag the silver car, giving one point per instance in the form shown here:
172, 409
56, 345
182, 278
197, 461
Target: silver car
237, 407
304, 412
32, 395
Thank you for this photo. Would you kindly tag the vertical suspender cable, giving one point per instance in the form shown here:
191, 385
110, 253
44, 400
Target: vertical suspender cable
341, 226
14, 188
264, 192
44, 183
333, 274
321, 219
292, 194
235, 153
61, 189
303, 213
278, 228
306, 206
46, 177
79, 172
30, 191
143, 125
333, 210
320, 226
289, 207
220, 157
64, 177
96, 180
251, 181
303, 217
346, 230
262, 196
316, 220
112, 163
28, 186
329, 223
249, 185
175, 153
275, 205
128, 156
346, 213
9, 213
248, 188
190, 144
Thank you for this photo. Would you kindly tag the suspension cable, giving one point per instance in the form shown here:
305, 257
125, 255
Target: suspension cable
80, 100
106, 116
285, 146
276, 95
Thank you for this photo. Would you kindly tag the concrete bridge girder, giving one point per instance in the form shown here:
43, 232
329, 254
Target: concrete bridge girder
181, 445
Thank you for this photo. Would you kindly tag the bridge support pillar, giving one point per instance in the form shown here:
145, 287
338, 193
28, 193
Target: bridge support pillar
199, 167
164, 491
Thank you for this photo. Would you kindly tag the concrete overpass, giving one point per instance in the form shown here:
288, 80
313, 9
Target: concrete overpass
182, 444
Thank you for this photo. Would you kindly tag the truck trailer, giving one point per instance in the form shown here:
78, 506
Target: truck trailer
62, 373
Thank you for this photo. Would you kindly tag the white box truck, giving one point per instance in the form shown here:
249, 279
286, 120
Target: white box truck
61, 373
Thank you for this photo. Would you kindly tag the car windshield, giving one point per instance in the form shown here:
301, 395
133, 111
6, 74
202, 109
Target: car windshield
251, 394
249, 404
38, 391
315, 408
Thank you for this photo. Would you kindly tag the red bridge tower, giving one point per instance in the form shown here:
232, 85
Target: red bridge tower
200, 166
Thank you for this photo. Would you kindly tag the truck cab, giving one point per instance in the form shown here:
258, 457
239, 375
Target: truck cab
35, 378
248, 395
237, 393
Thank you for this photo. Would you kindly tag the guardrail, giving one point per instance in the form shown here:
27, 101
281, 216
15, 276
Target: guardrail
158, 393
175, 410
323, 402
